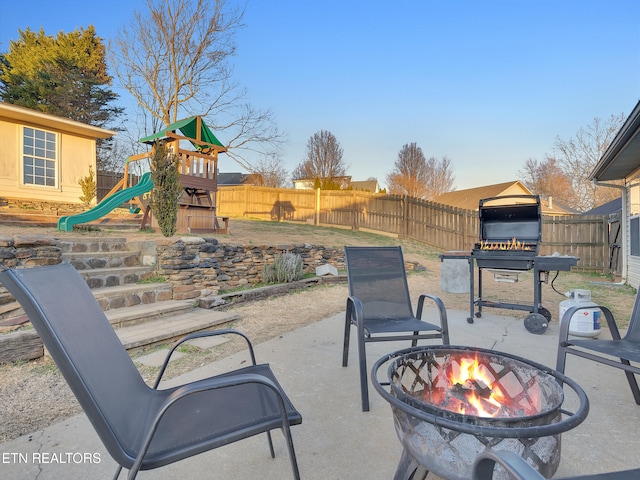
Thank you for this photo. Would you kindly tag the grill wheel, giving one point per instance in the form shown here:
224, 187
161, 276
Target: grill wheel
536, 323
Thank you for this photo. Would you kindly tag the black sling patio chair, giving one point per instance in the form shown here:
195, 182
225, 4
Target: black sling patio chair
518, 469
618, 352
142, 427
379, 306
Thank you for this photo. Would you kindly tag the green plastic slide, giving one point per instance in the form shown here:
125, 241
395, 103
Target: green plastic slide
107, 204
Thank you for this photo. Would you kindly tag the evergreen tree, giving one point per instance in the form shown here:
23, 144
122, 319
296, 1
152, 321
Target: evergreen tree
65, 75
167, 189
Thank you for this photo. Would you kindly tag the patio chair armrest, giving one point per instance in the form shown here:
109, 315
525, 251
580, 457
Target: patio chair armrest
355, 311
200, 386
210, 333
514, 464
442, 312
565, 321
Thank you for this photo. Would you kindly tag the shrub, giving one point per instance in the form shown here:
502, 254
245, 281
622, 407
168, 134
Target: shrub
89, 187
286, 267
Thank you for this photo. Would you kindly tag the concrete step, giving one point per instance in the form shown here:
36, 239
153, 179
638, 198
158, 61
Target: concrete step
112, 277
122, 296
126, 317
92, 260
166, 329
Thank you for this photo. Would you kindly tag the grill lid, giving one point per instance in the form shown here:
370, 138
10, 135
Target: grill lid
512, 216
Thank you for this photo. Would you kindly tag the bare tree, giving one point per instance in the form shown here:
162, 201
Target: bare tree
578, 156
414, 176
547, 178
271, 171
324, 161
175, 61
440, 178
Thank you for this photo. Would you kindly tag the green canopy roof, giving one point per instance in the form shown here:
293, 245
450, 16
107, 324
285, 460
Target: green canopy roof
188, 128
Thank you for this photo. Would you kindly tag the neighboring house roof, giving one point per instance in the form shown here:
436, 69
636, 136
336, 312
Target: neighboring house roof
227, 179
622, 158
614, 206
34, 117
552, 207
365, 185
469, 199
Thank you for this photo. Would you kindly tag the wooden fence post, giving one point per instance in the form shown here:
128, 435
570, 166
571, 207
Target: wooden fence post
405, 218
354, 224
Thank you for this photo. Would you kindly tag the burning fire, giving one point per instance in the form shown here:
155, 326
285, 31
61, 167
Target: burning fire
512, 244
468, 387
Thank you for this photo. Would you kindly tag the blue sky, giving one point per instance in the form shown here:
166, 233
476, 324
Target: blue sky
488, 83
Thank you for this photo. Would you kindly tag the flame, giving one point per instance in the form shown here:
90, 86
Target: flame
473, 376
468, 387
512, 244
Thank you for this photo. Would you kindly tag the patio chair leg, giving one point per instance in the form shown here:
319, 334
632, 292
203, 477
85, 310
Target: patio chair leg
633, 383
364, 387
292, 454
347, 333
118, 470
273, 453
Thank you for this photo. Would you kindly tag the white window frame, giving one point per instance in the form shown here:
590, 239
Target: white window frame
39, 157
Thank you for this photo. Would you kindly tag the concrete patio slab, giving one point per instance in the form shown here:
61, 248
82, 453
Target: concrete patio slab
336, 440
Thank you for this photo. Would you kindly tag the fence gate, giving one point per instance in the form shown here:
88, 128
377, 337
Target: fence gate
615, 244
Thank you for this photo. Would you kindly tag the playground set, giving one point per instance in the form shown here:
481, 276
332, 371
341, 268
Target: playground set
198, 177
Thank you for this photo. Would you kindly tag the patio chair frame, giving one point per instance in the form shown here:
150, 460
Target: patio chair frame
145, 427
376, 316
518, 468
618, 352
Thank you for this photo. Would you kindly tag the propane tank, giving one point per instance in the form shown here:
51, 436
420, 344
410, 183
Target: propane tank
584, 323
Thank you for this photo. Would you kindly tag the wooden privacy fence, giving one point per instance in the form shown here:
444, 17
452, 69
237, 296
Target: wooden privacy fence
441, 226
105, 181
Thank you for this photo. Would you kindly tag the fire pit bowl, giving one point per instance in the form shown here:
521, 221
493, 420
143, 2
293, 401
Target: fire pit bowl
452, 402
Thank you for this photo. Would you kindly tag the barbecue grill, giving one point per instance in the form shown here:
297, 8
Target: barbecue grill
510, 236
510, 233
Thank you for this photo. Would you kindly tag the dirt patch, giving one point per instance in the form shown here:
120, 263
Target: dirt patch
34, 394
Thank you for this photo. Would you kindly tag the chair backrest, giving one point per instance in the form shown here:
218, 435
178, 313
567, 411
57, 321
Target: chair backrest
377, 277
87, 351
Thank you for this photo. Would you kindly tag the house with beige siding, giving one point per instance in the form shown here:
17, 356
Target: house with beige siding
469, 199
619, 168
43, 157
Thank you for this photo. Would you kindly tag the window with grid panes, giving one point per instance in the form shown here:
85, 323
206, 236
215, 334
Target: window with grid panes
39, 157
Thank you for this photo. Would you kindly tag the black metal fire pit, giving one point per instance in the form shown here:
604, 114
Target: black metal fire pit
529, 420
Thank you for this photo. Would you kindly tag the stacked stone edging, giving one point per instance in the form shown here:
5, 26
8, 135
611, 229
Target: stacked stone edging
195, 266
29, 251
210, 266
27, 205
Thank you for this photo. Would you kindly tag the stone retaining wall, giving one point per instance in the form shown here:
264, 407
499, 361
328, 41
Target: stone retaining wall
42, 206
209, 266
195, 266
29, 251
